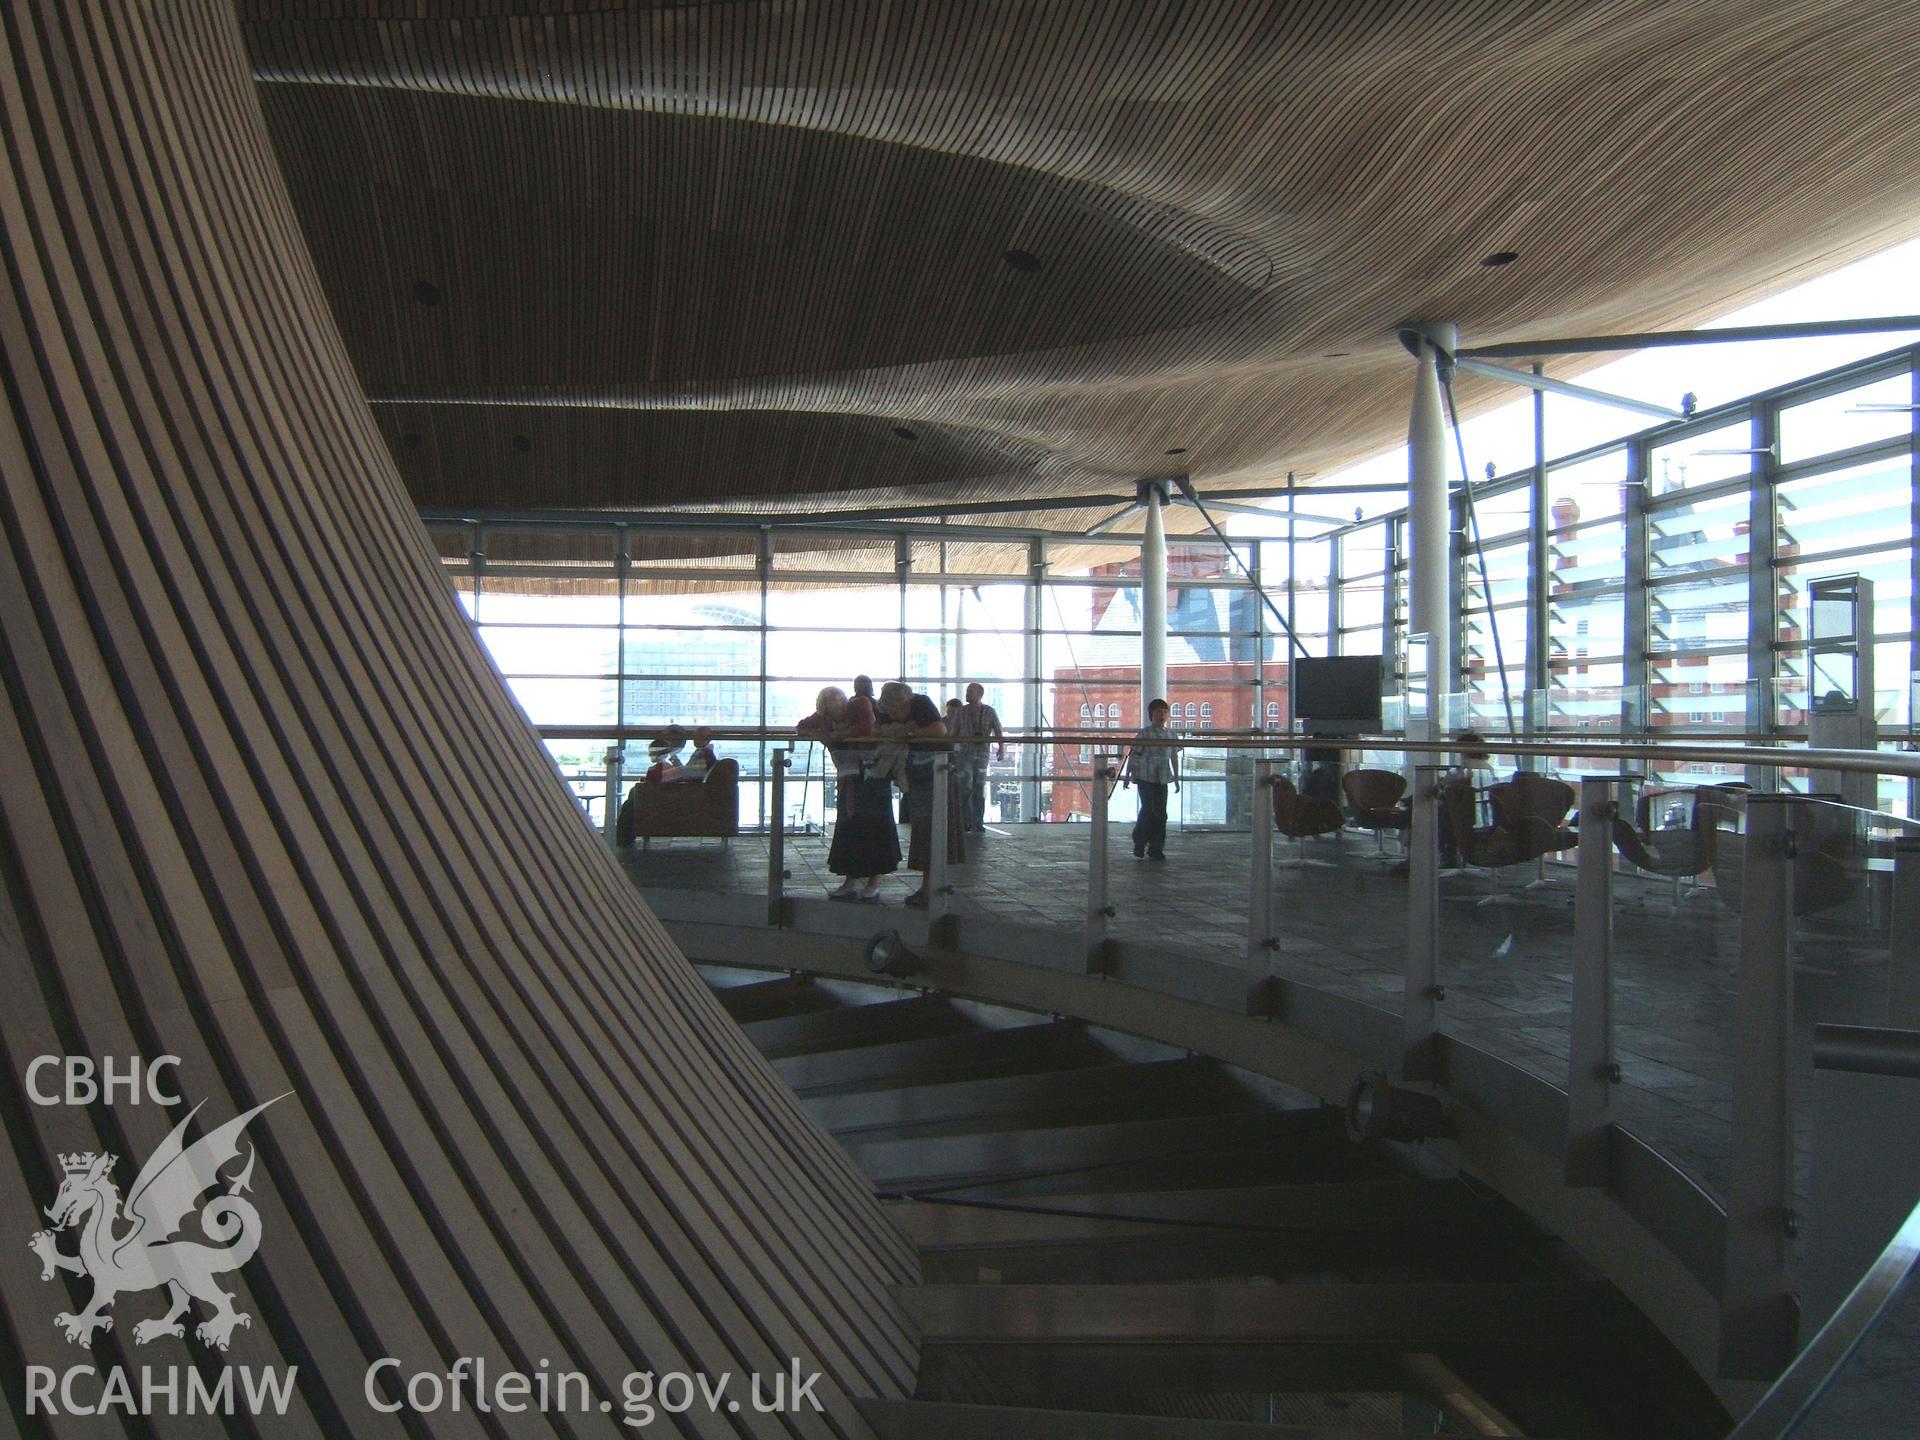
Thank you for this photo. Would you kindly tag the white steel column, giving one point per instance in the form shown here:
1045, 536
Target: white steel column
1153, 598
1430, 542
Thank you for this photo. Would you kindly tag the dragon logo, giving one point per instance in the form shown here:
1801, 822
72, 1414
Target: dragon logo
145, 1254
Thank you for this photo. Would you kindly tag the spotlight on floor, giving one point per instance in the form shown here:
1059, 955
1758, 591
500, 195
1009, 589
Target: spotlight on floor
1376, 1110
887, 954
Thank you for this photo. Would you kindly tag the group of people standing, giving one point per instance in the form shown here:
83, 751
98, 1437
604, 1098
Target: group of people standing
878, 741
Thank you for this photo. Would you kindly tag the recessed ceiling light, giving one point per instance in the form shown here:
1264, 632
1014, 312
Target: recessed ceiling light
1178, 450
523, 443
1501, 257
426, 292
904, 433
411, 439
1023, 260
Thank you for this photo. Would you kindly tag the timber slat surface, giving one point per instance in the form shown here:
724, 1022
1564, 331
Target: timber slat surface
597, 256
515, 1125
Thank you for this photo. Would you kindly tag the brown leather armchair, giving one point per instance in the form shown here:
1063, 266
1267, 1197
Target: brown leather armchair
1299, 816
1527, 811
707, 807
1373, 801
1675, 851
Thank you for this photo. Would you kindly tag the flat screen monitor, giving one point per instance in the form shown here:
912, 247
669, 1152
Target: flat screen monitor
1337, 695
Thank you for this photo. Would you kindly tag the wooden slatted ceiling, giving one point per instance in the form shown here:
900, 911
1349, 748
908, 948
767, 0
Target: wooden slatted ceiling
231, 677
746, 213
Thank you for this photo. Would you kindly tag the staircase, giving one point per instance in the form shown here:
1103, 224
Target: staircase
1122, 1240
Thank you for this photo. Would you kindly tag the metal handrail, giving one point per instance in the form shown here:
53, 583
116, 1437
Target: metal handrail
1793, 1397
1787, 755
1751, 1272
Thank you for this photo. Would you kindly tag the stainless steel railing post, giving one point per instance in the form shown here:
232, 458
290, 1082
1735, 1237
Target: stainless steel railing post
1261, 941
1759, 1314
935, 880
1099, 910
777, 839
1424, 992
1592, 1072
610, 821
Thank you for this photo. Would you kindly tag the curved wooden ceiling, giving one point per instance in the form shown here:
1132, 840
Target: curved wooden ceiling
617, 256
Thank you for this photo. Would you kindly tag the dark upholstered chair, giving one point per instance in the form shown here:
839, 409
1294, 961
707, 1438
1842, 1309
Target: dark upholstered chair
1373, 801
1527, 811
1536, 806
1300, 816
707, 807
1651, 842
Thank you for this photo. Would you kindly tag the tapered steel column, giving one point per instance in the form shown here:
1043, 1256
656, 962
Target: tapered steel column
1427, 513
1153, 599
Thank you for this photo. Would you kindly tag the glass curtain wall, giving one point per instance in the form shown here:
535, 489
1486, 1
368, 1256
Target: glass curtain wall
1655, 584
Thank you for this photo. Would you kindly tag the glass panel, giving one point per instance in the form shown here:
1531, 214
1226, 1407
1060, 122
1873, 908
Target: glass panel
694, 702
1205, 610
799, 605
1586, 624
706, 609
692, 652
530, 602
1585, 696
1311, 601
1698, 614
1892, 577
1703, 459
583, 766
1853, 417
1590, 555
833, 654
957, 658
1892, 677
1698, 692
1363, 552
1503, 513
1587, 491
1844, 509
1506, 924
528, 650
1506, 569
1511, 622
568, 702
1698, 535
1363, 605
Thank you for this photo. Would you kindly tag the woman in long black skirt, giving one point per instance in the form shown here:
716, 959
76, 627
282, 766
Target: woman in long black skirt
866, 844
